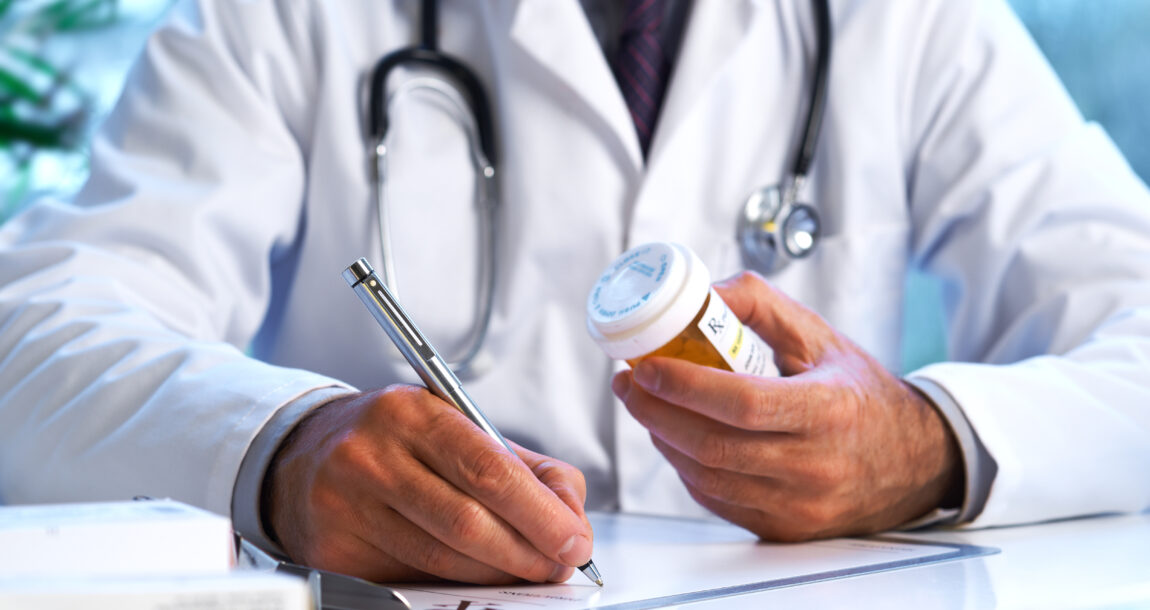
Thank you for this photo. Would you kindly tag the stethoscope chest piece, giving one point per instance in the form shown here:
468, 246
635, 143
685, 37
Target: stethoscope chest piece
774, 229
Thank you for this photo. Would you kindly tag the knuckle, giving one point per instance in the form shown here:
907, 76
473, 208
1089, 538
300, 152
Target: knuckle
442, 420
415, 408
489, 475
709, 482
714, 451
392, 406
552, 469
468, 523
750, 408
352, 456
433, 558
549, 468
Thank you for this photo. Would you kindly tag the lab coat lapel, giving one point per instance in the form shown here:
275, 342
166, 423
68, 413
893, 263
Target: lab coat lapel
714, 33
557, 35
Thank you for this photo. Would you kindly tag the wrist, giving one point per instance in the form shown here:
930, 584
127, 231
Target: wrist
248, 501
978, 467
945, 477
276, 488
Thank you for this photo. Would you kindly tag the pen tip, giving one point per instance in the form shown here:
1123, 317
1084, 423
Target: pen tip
591, 572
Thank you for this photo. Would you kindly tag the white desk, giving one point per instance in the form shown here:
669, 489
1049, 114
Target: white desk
1083, 563
1101, 562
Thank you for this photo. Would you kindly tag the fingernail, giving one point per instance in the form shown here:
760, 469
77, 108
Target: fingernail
576, 551
621, 385
646, 375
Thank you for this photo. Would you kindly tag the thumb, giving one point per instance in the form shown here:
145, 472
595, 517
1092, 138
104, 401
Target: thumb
798, 336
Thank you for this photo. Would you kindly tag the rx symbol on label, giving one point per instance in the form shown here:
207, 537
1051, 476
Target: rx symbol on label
716, 325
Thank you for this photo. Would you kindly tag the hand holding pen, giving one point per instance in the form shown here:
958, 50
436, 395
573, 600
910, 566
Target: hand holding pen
425, 359
397, 485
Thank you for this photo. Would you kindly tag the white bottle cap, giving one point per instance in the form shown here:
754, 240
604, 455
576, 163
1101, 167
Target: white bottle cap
645, 298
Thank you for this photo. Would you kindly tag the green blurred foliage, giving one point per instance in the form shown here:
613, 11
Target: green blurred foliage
43, 109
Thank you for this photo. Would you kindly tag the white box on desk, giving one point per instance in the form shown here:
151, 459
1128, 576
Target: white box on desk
133, 538
238, 590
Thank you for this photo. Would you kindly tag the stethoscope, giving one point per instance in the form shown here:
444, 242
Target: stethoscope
773, 229
467, 102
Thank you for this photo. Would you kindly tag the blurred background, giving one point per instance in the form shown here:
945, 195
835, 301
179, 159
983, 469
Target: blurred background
63, 62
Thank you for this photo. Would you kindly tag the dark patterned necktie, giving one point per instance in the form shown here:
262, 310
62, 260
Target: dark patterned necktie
642, 66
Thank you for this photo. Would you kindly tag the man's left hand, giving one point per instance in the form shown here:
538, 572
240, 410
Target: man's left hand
836, 445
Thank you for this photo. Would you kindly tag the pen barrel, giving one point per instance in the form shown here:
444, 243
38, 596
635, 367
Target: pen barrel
414, 347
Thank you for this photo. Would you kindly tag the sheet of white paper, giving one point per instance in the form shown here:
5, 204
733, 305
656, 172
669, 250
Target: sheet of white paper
648, 562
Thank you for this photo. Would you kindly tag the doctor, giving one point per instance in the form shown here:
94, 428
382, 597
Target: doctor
181, 328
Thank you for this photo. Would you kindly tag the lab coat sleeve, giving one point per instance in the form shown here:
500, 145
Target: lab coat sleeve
124, 315
1040, 234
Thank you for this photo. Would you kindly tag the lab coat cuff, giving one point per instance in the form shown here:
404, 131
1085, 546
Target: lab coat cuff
980, 467
249, 482
936, 517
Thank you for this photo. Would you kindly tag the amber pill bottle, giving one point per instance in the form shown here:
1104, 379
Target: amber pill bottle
656, 300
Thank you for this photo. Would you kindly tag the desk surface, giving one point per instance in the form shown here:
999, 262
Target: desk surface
1100, 562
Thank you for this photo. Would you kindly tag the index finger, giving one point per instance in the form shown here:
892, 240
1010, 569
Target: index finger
798, 336
503, 483
764, 404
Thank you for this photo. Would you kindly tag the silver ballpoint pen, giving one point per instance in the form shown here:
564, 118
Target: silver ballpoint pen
424, 358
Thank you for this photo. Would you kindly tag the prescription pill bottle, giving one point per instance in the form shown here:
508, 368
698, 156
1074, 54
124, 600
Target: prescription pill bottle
656, 300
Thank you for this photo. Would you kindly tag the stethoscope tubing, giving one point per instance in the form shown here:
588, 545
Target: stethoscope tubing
816, 106
378, 120
426, 54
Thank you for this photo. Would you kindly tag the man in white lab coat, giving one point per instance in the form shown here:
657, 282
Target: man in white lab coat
165, 333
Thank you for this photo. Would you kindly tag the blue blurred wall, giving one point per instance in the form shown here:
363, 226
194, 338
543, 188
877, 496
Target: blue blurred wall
1101, 49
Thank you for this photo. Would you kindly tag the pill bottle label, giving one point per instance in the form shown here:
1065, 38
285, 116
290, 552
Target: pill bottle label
739, 346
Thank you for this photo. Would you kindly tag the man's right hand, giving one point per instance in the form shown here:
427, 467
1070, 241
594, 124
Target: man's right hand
398, 485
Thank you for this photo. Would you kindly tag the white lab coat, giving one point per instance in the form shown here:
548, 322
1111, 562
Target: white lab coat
230, 188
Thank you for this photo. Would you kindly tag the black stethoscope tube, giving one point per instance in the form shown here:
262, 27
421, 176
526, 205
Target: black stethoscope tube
772, 216
427, 54
764, 238
817, 104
